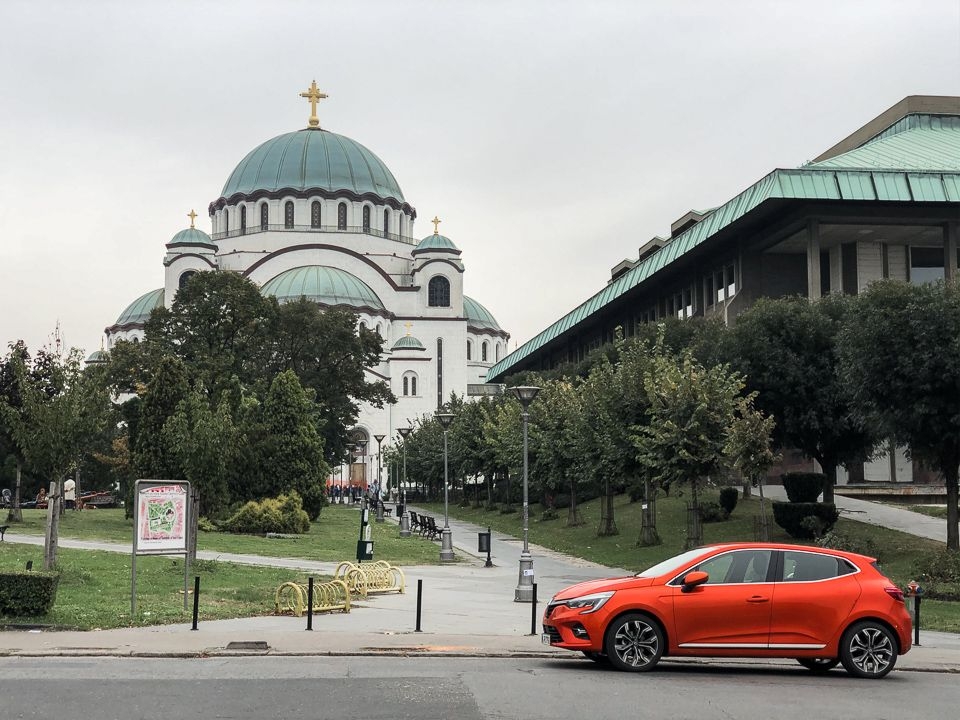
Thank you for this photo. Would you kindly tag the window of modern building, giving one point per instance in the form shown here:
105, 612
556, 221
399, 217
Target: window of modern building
315, 214
438, 292
926, 265
288, 214
264, 216
386, 223
342, 216
483, 351
243, 219
366, 218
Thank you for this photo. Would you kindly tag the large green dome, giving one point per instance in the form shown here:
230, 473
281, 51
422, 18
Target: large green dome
312, 159
324, 285
138, 312
478, 316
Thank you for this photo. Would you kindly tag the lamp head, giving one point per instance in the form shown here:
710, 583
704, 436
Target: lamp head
445, 419
525, 394
404, 432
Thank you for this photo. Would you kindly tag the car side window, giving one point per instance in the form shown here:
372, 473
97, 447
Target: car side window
807, 567
741, 566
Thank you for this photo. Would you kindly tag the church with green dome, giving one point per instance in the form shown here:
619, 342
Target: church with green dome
312, 213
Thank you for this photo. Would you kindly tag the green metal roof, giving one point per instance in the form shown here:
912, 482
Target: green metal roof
436, 242
324, 285
97, 356
312, 159
139, 310
846, 177
192, 236
478, 316
408, 342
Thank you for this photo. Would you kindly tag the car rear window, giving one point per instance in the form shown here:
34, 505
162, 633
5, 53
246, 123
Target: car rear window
809, 566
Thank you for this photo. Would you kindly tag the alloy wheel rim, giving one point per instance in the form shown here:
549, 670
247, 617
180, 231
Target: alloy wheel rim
871, 650
636, 643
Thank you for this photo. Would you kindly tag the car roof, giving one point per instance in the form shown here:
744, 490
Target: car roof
792, 546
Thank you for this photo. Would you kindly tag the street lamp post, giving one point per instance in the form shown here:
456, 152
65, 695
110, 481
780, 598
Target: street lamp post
524, 592
379, 439
404, 515
362, 447
446, 536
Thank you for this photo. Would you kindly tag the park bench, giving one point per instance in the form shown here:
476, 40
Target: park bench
431, 531
414, 522
292, 597
371, 578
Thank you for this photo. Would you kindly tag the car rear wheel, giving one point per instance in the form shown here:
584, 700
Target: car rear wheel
597, 657
868, 650
634, 642
819, 665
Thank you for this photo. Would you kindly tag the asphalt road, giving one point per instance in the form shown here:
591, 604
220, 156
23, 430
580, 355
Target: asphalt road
369, 688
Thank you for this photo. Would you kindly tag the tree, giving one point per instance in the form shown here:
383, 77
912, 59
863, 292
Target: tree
503, 432
787, 349
692, 409
556, 431
10, 397
749, 445
471, 456
152, 455
62, 408
900, 361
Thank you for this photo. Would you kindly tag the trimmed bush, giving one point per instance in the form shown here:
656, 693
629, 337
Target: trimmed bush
792, 517
283, 514
712, 512
803, 487
943, 567
24, 593
728, 499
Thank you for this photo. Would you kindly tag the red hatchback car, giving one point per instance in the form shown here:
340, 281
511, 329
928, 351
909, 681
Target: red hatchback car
761, 600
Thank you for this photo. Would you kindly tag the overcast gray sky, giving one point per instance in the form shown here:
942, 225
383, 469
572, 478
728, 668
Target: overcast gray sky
552, 138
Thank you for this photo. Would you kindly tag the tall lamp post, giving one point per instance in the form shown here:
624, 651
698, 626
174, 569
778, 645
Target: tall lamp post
362, 448
446, 536
404, 517
379, 505
524, 592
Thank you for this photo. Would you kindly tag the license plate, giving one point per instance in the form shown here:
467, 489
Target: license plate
545, 638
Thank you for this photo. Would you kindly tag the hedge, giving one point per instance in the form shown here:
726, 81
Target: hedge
24, 593
793, 517
803, 487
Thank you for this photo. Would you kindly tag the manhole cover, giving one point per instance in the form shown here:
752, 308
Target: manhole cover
248, 645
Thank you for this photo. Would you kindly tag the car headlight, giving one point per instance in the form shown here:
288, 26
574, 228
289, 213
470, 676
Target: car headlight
588, 603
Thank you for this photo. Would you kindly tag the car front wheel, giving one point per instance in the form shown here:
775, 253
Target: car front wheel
634, 642
868, 650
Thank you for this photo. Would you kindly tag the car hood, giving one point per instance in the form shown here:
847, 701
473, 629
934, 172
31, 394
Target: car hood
604, 585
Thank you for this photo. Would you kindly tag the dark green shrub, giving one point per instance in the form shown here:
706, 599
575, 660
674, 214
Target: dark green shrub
636, 493
791, 515
548, 514
803, 487
728, 499
507, 509
283, 514
313, 500
24, 593
712, 512
836, 540
206, 525
943, 567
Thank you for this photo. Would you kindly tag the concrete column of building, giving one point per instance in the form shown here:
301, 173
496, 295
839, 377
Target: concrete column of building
950, 233
813, 260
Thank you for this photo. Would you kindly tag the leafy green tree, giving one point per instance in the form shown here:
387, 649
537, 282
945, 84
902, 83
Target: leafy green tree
788, 350
556, 419
900, 359
503, 433
749, 444
152, 455
471, 456
10, 397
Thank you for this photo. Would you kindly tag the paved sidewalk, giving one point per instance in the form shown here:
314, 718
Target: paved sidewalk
467, 610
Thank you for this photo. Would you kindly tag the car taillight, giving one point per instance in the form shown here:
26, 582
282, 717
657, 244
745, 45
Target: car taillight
894, 592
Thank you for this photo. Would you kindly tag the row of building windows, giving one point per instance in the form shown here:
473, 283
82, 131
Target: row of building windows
316, 217
484, 351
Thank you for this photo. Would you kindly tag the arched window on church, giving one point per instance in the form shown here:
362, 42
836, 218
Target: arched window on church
315, 214
182, 282
243, 219
366, 218
342, 216
469, 349
406, 385
483, 352
438, 292
400, 225
498, 352
264, 216
410, 384
386, 223
226, 221
288, 215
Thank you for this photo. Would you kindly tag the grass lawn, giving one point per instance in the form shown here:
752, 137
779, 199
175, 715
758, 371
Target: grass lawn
937, 511
332, 538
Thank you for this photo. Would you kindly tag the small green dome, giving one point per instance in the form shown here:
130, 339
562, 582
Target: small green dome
98, 357
138, 312
312, 159
324, 285
436, 243
192, 236
408, 342
478, 316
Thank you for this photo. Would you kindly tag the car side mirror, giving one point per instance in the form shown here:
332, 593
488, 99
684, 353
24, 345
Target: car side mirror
693, 579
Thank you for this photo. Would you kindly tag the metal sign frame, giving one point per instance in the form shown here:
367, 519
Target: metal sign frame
163, 530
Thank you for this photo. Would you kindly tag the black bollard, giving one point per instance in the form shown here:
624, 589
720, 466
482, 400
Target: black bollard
419, 602
310, 603
196, 600
533, 612
916, 620
29, 564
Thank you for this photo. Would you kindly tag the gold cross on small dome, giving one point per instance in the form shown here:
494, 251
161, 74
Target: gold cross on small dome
436, 222
193, 216
313, 95
408, 325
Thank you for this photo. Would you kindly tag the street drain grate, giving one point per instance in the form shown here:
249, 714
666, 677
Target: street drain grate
248, 645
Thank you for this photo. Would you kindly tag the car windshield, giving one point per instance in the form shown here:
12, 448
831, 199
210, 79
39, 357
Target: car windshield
662, 568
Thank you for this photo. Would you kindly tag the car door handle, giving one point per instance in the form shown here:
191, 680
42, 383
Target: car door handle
758, 599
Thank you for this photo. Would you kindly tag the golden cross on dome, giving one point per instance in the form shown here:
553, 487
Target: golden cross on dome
313, 95
436, 221
408, 325
193, 216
